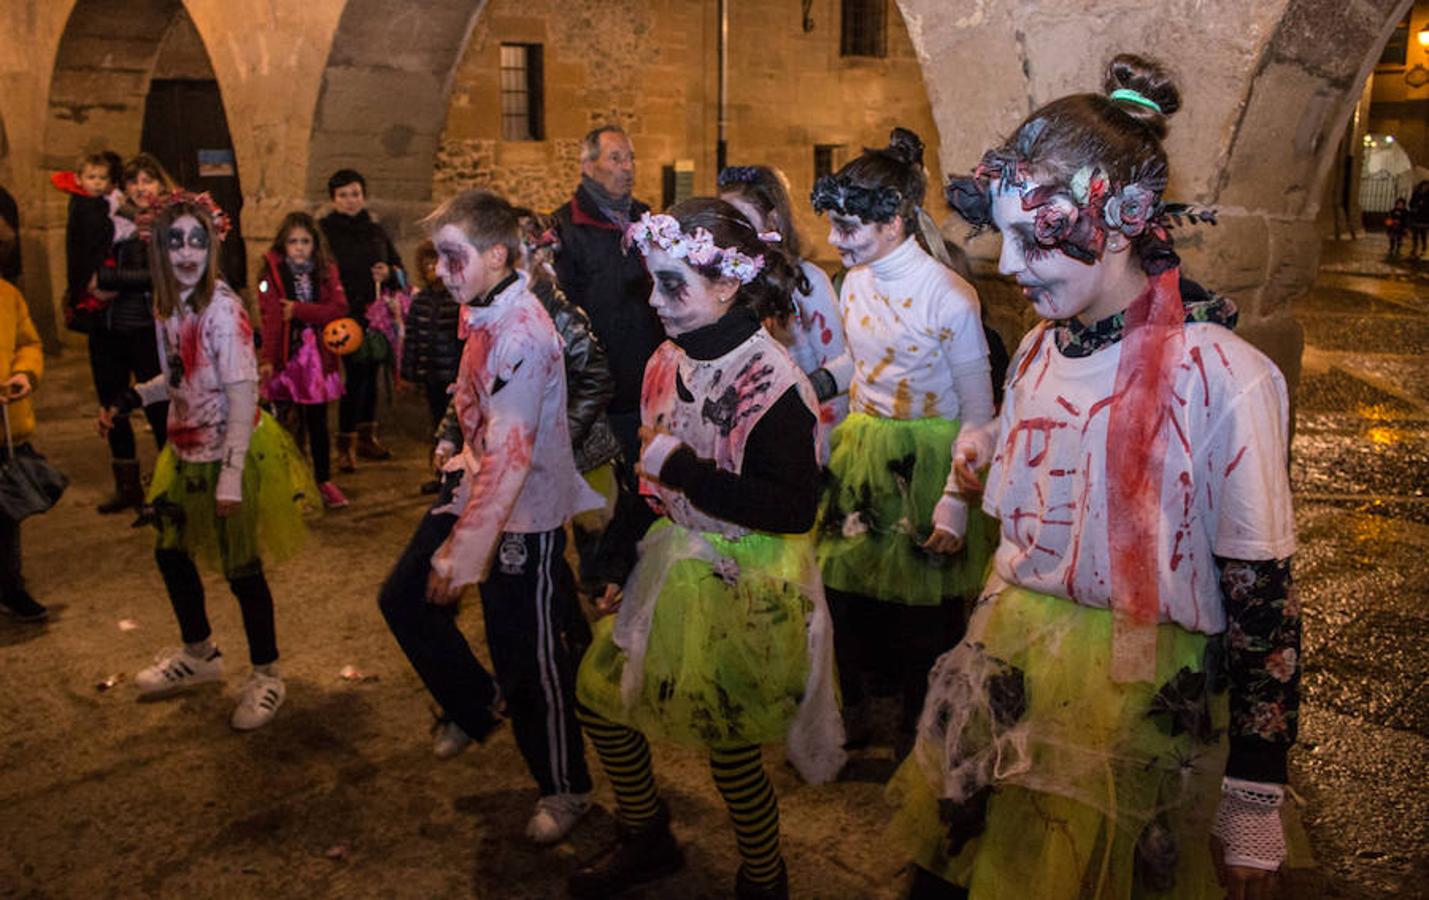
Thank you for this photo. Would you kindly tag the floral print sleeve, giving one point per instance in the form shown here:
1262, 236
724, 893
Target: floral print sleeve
1263, 665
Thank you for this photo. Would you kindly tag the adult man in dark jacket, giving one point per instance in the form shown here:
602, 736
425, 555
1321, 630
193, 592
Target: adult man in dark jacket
9, 237
597, 274
365, 258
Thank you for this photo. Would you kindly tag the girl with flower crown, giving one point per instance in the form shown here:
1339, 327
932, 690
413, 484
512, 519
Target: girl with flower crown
898, 550
1126, 693
721, 639
228, 484
815, 333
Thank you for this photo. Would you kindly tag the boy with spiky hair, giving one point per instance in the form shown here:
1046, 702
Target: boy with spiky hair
500, 520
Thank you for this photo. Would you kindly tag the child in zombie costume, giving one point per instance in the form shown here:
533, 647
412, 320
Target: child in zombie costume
299, 292
898, 549
815, 332
1141, 610
230, 482
722, 639
500, 520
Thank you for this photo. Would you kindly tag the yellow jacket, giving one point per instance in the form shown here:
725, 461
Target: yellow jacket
20, 351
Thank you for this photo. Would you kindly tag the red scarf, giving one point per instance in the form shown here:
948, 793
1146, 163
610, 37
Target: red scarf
1137, 431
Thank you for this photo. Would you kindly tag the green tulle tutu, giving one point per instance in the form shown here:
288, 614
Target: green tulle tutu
727, 661
277, 488
886, 475
1035, 775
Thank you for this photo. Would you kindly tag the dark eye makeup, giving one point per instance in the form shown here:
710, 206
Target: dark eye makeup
197, 238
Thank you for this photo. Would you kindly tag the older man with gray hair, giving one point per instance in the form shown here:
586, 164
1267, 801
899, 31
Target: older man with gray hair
598, 275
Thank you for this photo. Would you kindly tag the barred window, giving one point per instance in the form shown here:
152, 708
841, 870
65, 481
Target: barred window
522, 101
824, 159
863, 28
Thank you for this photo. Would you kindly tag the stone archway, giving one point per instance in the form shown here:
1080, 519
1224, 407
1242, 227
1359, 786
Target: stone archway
383, 99
1269, 88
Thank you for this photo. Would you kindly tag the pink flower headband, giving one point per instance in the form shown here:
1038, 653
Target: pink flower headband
204, 201
663, 232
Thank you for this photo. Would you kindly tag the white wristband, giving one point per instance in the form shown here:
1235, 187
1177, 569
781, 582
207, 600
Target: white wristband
951, 516
652, 460
1248, 824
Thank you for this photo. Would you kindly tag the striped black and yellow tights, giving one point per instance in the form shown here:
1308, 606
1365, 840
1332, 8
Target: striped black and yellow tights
738, 774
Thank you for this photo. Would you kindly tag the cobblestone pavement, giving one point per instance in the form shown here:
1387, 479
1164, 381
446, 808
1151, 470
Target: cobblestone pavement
340, 796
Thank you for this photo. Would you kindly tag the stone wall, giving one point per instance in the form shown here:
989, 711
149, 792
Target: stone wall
309, 86
652, 66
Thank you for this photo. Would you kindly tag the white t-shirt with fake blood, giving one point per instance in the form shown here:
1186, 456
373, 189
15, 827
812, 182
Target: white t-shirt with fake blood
1225, 490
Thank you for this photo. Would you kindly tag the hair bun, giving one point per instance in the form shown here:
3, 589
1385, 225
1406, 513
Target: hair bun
1149, 79
906, 145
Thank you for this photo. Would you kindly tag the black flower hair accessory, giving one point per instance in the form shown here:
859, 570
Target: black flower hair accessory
878, 204
738, 175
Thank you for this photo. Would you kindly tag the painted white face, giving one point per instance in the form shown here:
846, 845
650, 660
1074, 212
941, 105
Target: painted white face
142, 190
299, 246
467, 272
859, 242
683, 298
755, 218
349, 199
1057, 286
188, 246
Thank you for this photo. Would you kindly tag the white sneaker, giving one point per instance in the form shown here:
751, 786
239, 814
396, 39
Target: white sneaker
448, 739
555, 816
175, 670
262, 696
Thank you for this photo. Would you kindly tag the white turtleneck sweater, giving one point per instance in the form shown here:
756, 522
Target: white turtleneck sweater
915, 337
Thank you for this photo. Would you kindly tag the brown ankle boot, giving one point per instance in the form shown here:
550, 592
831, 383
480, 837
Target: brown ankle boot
346, 455
128, 492
367, 444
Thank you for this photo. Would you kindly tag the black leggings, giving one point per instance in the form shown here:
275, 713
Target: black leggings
319, 449
118, 359
359, 404
254, 600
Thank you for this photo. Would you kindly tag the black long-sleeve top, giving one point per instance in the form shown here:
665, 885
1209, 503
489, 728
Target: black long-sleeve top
776, 489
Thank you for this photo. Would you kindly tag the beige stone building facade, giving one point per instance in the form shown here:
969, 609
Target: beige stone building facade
794, 95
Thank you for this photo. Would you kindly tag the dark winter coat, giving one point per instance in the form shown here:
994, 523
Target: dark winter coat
613, 288
357, 243
133, 308
431, 349
9, 237
275, 284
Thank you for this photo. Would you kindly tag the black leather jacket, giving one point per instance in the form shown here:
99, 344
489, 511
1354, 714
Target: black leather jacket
589, 385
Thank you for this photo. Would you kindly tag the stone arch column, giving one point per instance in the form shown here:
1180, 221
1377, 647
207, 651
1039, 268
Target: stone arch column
1268, 89
383, 99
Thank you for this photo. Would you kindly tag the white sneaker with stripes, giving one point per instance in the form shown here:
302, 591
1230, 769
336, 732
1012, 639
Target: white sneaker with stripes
262, 696
555, 816
175, 670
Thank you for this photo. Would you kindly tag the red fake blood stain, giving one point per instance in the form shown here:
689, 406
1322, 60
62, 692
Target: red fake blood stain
1069, 582
1036, 425
1235, 462
1222, 354
1068, 405
1176, 556
1205, 385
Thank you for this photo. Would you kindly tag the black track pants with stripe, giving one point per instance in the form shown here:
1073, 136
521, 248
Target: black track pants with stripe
535, 634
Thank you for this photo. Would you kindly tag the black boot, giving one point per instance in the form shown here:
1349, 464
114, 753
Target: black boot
640, 855
779, 890
128, 492
23, 608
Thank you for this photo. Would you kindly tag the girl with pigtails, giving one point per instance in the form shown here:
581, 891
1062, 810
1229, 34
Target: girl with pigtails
721, 639
814, 335
898, 550
1116, 722
229, 483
